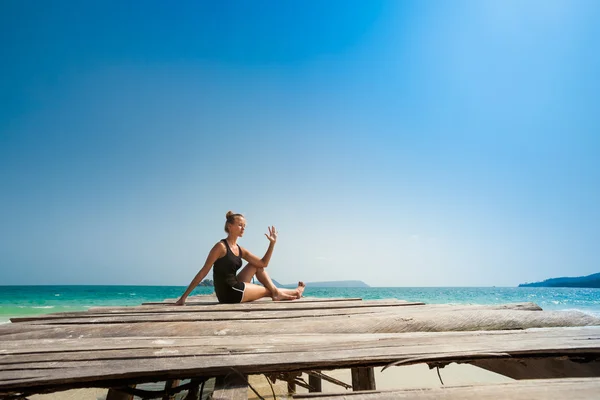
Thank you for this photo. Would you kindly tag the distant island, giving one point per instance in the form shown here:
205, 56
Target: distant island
590, 281
328, 284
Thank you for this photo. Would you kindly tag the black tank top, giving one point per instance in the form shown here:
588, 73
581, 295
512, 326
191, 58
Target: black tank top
225, 268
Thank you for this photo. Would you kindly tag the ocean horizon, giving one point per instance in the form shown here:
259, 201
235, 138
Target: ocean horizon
19, 301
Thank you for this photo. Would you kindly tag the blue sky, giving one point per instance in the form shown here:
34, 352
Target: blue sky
401, 143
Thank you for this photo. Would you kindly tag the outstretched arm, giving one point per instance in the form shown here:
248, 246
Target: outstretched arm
216, 252
262, 262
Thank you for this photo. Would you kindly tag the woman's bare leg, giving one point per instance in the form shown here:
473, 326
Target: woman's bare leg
254, 292
295, 292
250, 270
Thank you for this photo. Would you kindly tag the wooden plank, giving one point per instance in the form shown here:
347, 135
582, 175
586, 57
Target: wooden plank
363, 378
232, 343
407, 348
183, 314
197, 316
572, 389
275, 305
396, 321
231, 387
12, 329
254, 307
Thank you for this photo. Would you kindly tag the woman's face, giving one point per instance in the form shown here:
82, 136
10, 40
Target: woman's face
237, 227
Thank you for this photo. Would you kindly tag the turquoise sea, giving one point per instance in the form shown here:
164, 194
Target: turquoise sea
33, 300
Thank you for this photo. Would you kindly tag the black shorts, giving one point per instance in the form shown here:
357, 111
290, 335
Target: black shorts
231, 294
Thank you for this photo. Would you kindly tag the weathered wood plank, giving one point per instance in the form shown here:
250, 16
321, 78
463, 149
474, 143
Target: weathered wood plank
197, 316
13, 329
231, 387
394, 322
182, 314
572, 389
407, 348
233, 343
278, 305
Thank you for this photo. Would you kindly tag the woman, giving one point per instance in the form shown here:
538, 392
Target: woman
227, 255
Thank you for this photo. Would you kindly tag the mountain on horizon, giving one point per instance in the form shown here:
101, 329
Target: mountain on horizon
590, 281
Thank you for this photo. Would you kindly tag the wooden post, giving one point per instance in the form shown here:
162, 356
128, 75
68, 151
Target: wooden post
363, 378
116, 394
193, 393
315, 383
291, 384
169, 385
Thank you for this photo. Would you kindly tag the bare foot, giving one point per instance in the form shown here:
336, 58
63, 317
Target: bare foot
282, 296
300, 289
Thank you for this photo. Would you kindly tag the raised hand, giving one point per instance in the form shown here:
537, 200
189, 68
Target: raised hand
272, 236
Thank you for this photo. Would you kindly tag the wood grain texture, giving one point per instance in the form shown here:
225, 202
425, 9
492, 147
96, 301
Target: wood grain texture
292, 352
396, 321
140, 315
127, 345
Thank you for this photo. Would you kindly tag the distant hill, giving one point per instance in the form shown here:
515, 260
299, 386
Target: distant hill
275, 282
590, 281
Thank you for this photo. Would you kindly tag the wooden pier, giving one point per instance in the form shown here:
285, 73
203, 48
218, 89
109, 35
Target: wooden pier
120, 347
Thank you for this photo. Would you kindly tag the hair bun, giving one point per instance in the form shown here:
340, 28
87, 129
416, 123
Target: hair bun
229, 214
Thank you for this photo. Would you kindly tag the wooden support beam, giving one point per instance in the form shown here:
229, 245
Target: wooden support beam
231, 387
318, 374
363, 378
315, 383
542, 368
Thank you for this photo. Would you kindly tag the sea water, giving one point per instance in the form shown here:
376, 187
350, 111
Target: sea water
16, 301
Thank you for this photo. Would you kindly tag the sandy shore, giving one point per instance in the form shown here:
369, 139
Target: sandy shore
403, 377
